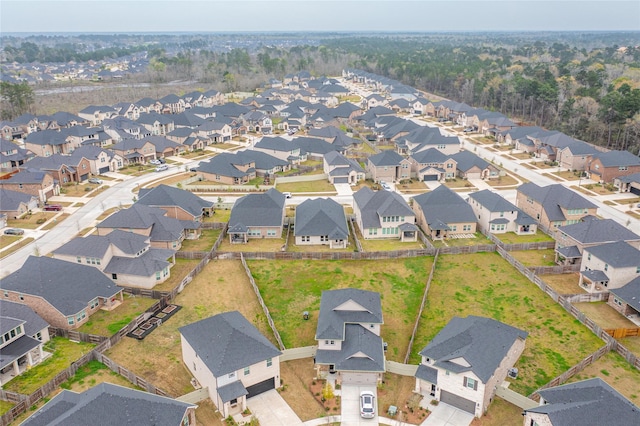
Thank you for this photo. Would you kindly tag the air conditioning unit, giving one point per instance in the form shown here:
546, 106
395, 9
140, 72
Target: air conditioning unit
513, 373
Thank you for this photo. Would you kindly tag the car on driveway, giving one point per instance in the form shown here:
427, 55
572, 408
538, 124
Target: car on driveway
154, 162
95, 180
367, 405
52, 207
162, 167
14, 231
385, 185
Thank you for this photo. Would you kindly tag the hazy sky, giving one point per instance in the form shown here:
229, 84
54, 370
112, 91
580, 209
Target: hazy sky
316, 15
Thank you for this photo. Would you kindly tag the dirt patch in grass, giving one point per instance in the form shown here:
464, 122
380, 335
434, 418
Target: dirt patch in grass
484, 284
325, 396
604, 315
297, 377
500, 413
535, 257
398, 390
291, 287
617, 372
310, 186
15, 247
513, 238
222, 286
64, 353
107, 323
564, 283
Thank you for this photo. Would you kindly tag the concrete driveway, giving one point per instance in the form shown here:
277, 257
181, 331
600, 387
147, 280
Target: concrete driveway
447, 415
271, 409
343, 188
350, 414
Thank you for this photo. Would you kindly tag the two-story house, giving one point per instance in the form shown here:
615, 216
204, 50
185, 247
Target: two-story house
607, 266
498, 216
388, 166
384, 215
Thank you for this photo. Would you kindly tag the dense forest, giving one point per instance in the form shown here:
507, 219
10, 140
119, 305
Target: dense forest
586, 85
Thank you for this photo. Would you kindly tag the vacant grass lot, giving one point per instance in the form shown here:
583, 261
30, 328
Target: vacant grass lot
291, 287
513, 238
484, 284
310, 186
222, 286
64, 353
107, 323
617, 372
535, 257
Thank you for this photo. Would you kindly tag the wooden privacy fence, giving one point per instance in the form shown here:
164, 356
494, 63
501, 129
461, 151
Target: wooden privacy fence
619, 333
401, 369
129, 375
298, 353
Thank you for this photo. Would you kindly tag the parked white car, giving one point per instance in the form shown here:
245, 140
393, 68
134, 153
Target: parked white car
385, 185
367, 405
162, 168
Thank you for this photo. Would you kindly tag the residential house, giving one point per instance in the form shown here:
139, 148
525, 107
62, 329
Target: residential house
350, 348
63, 168
315, 148
231, 359
607, 266
33, 182
388, 166
587, 402
157, 124
321, 221
281, 148
384, 215
424, 138
340, 169
215, 131
432, 165
48, 142
228, 169
135, 151
16, 204
100, 160
575, 156
470, 166
64, 294
573, 239
172, 104
467, 360
22, 337
12, 156
125, 257
265, 165
257, 216
257, 122
553, 205
626, 301
165, 232
373, 101
442, 213
96, 114
164, 147
499, 216
605, 167
178, 203
629, 183
115, 404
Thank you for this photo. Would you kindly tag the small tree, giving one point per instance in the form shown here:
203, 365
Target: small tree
327, 392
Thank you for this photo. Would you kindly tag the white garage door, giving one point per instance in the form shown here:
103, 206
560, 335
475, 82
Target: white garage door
359, 379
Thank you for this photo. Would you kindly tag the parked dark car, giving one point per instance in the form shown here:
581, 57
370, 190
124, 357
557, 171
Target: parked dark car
14, 231
52, 207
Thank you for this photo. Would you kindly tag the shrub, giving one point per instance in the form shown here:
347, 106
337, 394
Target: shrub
41, 221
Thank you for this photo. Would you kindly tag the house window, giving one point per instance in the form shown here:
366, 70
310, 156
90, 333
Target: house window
589, 256
70, 320
114, 276
247, 371
232, 375
324, 238
606, 266
79, 259
269, 362
39, 335
234, 401
454, 227
158, 275
637, 269
466, 227
194, 366
305, 238
470, 383
617, 301
271, 232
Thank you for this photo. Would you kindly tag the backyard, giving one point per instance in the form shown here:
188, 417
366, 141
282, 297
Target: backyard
400, 283
207, 239
535, 257
513, 238
178, 271
484, 284
307, 186
604, 315
477, 239
222, 286
564, 283
107, 323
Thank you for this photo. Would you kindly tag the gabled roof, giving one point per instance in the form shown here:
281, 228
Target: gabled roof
264, 209
228, 342
315, 145
346, 306
68, 286
482, 342
598, 231
225, 165
262, 160
386, 158
375, 205
629, 293
33, 323
321, 216
430, 136
588, 402
617, 158
553, 197
112, 403
138, 216
27, 176
443, 206
466, 160
164, 195
618, 254
147, 264
430, 156
96, 245
581, 148
492, 201
11, 200
276, 144
361, 350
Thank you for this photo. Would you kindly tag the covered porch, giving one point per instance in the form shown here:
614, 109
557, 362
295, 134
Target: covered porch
19, 356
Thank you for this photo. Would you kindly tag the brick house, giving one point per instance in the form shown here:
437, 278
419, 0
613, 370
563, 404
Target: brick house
442, 212
605, 167
626, 301
33, 182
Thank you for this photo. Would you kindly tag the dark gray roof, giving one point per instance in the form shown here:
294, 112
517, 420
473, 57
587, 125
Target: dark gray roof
630, 293
445, 206
617, 158
139, 216
331, 321
581, 148
68, 286
427, 373
315, 145
17, 348
589, 402
265, 209
373, 205
108, 403
276, 144
321, 216
492, 201
11, 200
467, 160
635, 177
361, 350
429, 156
482, 342
33, 323
228, 342
618, 254
386, 158
96, 246
164, 195
570, 252
553, 197
595, 275
598, 231
231, 391
145, 265
262, 160
225, 165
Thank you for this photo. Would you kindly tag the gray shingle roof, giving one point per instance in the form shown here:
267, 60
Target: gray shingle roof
265, 209
617, 158
33, 323
321, 216
630, 293
68, 286
589, 402
482, 342
444, 206
598, 231
228, 342
618, 254
96, 246
164, 195
374, 205
109, 403
467, 160
358, 341
231, 391
492, 201
331, 321
11, 200
145, 265
386, 158
427, 373
225, 165
262, 160
552, 197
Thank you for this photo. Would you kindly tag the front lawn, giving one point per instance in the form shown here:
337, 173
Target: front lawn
5, 240
506, 180
297, 376
322, 185
291, 287
222, 286
513, 238
107, 323
31, 221
459, 183
535, 257
64, 353
484, 284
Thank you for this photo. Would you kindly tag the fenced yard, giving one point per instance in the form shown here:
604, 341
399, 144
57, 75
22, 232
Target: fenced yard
107, 323
485, 284
535, 257
564, 283
513, 238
